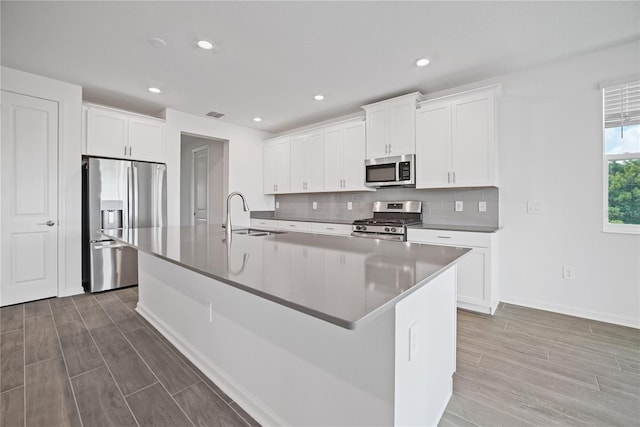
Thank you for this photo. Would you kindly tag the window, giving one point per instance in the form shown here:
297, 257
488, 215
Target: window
621, 165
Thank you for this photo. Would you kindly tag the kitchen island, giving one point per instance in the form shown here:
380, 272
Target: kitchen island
304, 329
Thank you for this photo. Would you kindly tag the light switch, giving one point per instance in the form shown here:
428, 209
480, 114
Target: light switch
459, 206
315, 205
349, 206
482, 206
277, 205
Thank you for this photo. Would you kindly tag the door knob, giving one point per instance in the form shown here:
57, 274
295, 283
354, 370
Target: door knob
49, 223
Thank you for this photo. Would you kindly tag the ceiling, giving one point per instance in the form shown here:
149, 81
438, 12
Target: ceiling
271, 58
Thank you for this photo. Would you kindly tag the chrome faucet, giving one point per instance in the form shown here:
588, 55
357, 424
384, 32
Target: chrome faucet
245, 207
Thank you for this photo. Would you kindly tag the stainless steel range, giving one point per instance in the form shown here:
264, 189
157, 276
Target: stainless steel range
390, 220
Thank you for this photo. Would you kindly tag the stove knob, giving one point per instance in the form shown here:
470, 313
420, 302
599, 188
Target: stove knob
357, 227
364, 227
393, 230
386, 229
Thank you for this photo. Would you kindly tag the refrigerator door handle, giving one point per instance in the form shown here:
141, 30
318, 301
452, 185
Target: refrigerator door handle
129, 197
135, 196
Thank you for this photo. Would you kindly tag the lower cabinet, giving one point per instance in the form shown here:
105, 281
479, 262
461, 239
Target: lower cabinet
478, 284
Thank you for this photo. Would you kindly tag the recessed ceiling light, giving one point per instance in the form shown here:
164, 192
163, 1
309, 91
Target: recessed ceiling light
154, 90
422, 62
318, 97
157, 42
257, 119
205, 44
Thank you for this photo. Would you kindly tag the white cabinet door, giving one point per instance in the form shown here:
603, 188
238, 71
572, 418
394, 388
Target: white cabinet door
270, 168
306, 163
472, 277
402, 129
145, 139
433, 145
377, 132
472, 146
299, 154
315, 167
283, 172
277, 167
29, 170
107, 133
333, 140
353, 157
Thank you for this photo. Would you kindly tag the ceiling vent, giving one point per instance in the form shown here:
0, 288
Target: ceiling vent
215, 114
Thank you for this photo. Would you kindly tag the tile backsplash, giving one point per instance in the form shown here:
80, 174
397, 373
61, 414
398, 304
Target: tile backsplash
438, 206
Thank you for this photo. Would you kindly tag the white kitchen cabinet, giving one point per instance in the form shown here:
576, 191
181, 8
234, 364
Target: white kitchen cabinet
123, 135
277, 166
307, 172
478, 284
302, 226
264, 224
391, 126
455, 141
344, 147
330, 228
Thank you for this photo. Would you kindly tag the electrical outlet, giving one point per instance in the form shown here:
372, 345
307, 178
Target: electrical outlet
315, 205
349, 206
534, 207
482, 206
277, 205
568, 272
459, 206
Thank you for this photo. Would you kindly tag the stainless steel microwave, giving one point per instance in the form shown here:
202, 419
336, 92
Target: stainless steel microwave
391, 171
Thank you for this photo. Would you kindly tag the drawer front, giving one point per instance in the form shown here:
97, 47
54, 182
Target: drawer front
325, 228
294, 225
268, 224
452, 238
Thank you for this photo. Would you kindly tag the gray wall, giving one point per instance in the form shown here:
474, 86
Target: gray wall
218, 186
437, 208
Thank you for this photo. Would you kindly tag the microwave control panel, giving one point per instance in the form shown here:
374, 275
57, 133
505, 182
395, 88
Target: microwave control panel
404, 171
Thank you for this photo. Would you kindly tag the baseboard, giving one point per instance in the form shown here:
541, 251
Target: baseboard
572, 311
259, 413
67, 292
476, 307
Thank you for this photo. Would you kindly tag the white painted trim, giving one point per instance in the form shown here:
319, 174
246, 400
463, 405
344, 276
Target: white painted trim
69, 99
577, 312
131, 113
259, 413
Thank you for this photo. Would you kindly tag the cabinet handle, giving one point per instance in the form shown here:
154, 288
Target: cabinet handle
330, 228
454, 177
444, 237
129, 151
291, 225
389, 148
125, 150
448, 176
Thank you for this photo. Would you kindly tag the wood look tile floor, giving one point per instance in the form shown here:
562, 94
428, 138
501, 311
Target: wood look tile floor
91, 360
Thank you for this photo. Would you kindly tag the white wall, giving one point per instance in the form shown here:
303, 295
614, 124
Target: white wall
69, 99
550, 150
245, 161
218, 166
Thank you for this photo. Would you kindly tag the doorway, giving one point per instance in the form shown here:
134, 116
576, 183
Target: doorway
203, 179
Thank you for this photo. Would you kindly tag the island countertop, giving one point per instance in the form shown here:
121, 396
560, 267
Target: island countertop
342, 280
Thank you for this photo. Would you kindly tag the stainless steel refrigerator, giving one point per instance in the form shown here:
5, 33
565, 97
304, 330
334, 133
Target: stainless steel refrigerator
118, 194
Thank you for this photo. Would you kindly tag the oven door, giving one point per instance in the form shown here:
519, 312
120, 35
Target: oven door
390, 171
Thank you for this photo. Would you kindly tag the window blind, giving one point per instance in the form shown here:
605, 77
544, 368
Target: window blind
622, 104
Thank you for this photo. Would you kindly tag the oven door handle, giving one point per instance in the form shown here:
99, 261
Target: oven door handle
395, 237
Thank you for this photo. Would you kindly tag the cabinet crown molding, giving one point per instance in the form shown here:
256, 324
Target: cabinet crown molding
117, 110
496, 89
416, 96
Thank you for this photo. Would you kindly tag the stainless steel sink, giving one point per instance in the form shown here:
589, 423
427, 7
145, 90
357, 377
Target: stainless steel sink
254, 232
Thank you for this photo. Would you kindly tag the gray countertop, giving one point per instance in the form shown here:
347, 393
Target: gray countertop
340, 279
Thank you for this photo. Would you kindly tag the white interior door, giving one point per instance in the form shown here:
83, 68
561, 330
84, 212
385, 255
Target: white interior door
29, 230
200, 187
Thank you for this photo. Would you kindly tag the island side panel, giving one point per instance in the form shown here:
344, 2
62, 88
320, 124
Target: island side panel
282, 366
425, 351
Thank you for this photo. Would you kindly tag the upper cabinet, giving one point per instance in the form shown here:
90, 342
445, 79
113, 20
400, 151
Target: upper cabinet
327, 158
277, 166
307, 172
455, 141
123, 135
344, 147
391, 126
